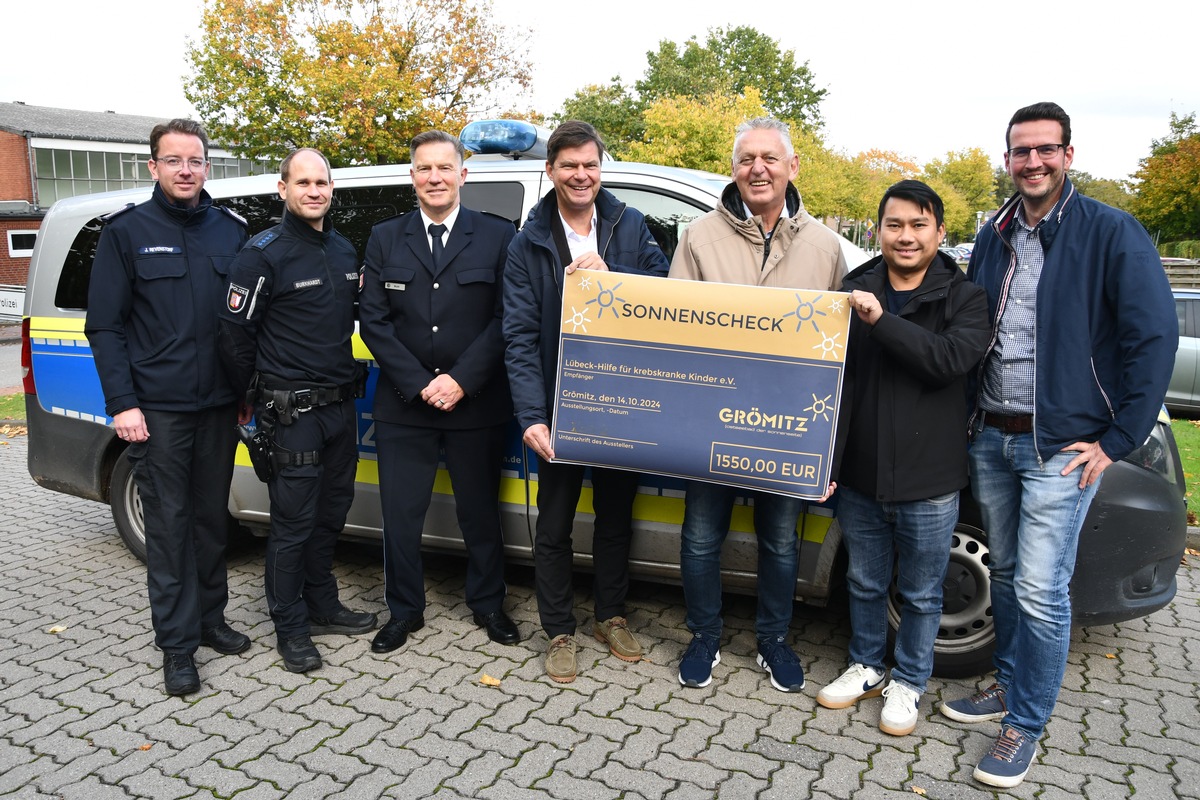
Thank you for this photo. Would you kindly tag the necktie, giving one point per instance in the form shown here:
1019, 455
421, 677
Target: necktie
436, 232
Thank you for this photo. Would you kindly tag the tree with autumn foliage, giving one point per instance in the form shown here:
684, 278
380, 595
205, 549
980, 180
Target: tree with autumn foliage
1168, 196
354, 78
695, 132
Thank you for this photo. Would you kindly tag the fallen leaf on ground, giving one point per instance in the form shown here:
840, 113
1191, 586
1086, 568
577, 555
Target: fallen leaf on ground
1191, 551
56, 629
918, 790
1109, 655
13, 430
145, 746
488, 680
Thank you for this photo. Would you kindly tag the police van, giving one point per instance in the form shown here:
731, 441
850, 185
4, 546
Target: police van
1128, 553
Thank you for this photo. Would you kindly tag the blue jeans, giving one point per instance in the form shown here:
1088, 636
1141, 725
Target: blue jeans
1033, 516
706, 515
916, 534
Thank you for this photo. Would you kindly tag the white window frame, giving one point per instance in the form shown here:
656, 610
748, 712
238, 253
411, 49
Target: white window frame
16, 252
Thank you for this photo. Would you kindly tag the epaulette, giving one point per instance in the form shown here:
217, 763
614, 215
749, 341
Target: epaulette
401, 215
516, 223
236, 216
265, 238
107, 218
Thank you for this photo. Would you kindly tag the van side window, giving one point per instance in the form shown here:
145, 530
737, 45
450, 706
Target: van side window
666, 215
72, 290
502, 199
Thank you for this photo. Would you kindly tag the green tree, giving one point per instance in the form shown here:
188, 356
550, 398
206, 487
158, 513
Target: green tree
966, 183
354, 78
730, 60
1005, 188
611, 110
1114, 193
1168, 195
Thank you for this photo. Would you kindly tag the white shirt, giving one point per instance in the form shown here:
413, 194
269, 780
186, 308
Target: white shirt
578, 245
448, 222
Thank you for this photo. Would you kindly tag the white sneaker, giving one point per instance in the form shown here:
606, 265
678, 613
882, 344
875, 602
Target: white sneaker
899, 715
856, 683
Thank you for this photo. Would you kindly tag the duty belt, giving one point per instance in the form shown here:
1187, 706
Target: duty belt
306, 398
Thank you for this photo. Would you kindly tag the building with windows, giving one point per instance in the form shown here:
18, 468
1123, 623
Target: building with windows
47, 154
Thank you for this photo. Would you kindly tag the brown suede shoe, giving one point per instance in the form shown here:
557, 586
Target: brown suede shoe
615, 633
560, 658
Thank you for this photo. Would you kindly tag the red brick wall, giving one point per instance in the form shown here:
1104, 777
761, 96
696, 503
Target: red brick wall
14, 271
15, 181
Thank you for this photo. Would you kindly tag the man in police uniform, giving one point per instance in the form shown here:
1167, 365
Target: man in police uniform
289, 314
151, 322
430, 309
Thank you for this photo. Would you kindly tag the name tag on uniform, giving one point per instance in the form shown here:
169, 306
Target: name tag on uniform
308, 283
395, 287
351, 276
151, 251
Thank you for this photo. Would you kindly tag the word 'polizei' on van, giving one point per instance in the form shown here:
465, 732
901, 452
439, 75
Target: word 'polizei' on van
1128, 553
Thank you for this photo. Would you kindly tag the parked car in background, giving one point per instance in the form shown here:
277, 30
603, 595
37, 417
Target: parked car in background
1183, 395
1128, 553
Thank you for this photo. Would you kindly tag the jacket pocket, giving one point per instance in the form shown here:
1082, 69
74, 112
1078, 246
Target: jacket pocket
155, 267
396, 278
221, 265
467, 276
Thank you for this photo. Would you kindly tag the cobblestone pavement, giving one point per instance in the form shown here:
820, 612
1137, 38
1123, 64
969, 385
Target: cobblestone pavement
83, 715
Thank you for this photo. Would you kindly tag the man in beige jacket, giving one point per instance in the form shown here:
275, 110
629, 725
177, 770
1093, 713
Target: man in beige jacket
760, 235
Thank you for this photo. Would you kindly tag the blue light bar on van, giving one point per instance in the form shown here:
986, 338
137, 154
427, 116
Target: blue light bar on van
505, 137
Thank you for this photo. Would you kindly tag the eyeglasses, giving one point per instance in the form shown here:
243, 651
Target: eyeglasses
1044, 151
176, 163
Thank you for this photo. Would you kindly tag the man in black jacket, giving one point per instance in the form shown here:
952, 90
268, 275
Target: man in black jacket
576, 225
289, 315
430, 310
919, 328
159, 271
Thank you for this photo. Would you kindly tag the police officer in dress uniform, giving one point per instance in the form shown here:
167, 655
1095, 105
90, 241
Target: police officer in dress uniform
285, 332
430, 310
159, 272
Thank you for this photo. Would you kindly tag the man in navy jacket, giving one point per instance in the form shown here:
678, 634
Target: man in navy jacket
1082, 347
577, 225
430, 310
152, 323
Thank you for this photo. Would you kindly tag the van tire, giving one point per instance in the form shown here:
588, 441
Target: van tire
126, 507
967, 634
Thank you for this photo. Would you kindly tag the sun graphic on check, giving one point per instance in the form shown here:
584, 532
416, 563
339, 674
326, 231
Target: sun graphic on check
829, 345
806, 311
585, 282
821, 406
605, 299
578, 320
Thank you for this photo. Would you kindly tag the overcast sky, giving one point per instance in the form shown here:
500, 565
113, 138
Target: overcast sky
919, 79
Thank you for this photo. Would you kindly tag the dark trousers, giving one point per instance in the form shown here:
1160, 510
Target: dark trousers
309, 505
182, 473
408, 462
559, 487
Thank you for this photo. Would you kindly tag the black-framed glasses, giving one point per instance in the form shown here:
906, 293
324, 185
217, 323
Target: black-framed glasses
175, 163
1044, 151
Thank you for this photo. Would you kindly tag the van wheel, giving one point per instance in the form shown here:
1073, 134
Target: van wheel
127, 507
967, 634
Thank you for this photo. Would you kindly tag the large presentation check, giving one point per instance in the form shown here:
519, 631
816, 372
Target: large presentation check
732, 384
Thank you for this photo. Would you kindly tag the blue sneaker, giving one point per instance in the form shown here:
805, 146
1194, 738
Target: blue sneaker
1009, 758
696, 666
781, 664
983, 706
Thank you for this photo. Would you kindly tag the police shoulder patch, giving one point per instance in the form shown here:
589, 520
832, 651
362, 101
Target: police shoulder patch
235, 298
261, 241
